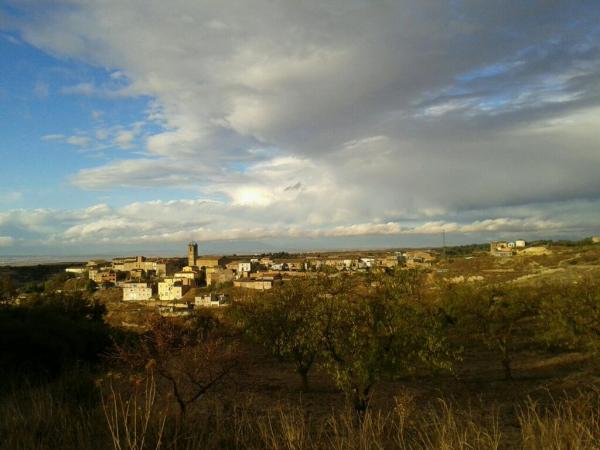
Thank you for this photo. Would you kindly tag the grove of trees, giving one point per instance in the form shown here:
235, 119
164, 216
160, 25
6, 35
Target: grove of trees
357, 330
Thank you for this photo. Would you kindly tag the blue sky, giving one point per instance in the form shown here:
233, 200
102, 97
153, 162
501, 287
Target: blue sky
140, 125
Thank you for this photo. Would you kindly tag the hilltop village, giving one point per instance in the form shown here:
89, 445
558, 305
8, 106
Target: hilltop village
178, 285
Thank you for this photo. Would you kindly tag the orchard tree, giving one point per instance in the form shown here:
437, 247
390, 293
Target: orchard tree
497, 316
186, 353
380, 328
7, 287
287, 322
57, 282
571, 313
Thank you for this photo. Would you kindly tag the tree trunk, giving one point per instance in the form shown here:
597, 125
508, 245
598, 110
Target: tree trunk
360, 401
507, 369
303, 372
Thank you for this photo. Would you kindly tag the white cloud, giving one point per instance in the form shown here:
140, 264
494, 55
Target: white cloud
53, 137
8, 197
88, 89
79, 141
377, 112
124, 139
6, 241
102, 134
176, 221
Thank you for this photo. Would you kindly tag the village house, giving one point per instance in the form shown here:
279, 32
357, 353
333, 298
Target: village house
175, 309
340, 264
366, 262
419, 259
160, 267
96, 263
245, 267
291, 264
171, 289
265, 261
211, 300
387, 261
313, 263
219, 276
261, 284
137, 275
102, 276
189, 276
204, 262
137, 291
501, 249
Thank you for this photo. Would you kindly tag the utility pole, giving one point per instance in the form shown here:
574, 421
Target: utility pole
444, 245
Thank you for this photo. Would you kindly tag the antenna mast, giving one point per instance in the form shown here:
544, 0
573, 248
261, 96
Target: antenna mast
444, 245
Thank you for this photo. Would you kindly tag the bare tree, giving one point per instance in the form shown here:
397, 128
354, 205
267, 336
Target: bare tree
186, 353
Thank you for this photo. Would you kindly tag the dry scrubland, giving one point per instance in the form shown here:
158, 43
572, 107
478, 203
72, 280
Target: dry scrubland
478, 353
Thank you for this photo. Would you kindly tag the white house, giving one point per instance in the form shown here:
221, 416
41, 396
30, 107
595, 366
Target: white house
136, 291
244, 267
171, 289
211, 300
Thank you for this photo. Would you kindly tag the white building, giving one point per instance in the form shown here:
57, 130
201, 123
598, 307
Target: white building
260, 284
244, 267
520, 243
78, 270
136, 292
171, 289
211, 300
188, 277
368, 262
175, 310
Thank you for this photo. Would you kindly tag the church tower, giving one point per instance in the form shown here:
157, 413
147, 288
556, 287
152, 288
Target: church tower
192, 253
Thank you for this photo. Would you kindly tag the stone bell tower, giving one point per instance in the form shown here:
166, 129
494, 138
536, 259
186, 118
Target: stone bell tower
192, 253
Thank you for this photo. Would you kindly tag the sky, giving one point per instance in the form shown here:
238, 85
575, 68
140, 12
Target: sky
263, 125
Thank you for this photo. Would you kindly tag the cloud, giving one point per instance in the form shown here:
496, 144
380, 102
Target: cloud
88, 89
140, 173
53, 137
124, 139
80, 141
8, 197
360, 117
176, 221
6, 241
80, 89
293, 187
102, 134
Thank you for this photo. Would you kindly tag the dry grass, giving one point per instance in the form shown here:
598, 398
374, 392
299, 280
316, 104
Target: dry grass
568, 423
47, 418
38, 418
